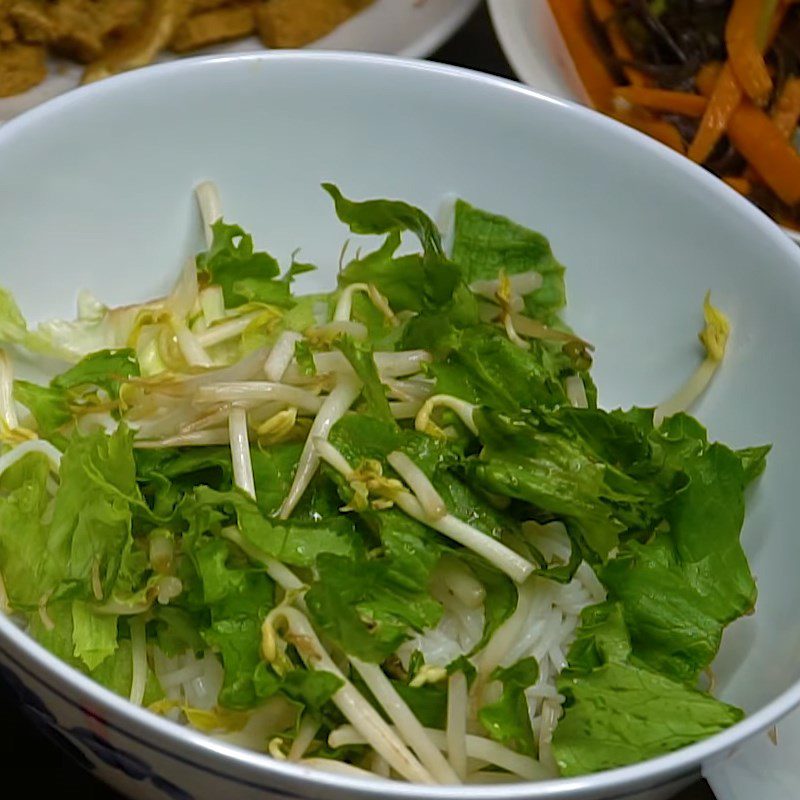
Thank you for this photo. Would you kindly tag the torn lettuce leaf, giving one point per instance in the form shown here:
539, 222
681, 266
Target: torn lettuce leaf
507, 720
485, 243
245, 275
620, 712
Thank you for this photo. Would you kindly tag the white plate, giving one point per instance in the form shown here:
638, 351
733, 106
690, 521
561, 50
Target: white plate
530, 40
410, 28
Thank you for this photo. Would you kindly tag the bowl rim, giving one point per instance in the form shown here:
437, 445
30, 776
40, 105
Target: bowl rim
71, 685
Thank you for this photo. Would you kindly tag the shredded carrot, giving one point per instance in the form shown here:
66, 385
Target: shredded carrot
664, 132
686, 103
597, 81
724, 100
741, 185
786, 111
707, 76
745, 35
728, 93
606, 13
765, 148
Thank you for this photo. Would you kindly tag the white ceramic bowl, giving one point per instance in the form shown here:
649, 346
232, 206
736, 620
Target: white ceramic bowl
95, 191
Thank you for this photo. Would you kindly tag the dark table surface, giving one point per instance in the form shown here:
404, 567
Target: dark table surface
54, 774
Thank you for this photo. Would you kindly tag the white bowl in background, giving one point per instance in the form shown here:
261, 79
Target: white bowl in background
530, 39
95, 191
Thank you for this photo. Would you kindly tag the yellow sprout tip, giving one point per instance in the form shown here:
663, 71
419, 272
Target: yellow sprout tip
714, 335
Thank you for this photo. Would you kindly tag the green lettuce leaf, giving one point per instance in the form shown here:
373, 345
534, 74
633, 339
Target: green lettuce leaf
94, 635
620, 712
485, 243
374, 392
507, 720
311, 689
245, 275
105, 369
363, 606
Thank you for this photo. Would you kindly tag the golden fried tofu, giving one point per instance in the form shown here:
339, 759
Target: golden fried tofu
140, 45
79, 29
22, 66
295, 23
8, 32
215, 26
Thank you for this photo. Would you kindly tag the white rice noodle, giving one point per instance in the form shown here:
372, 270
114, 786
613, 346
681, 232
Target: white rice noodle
263, 391
462, 408
52, 454
551, 540
457, 723
305, 735
216, 436
348, 699
689, 393
419, 483
348, 327
504, 637
590, 582
139, 661
331, 411
281, 355
576, 391
8, 408
460, 581
478, 748
240, 452
496, 553
408, 726
210, 205
551, 711
212, 304
521, 283
230, 329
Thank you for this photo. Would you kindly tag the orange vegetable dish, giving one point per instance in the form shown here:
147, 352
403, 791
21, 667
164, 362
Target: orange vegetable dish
111, 36
717, 80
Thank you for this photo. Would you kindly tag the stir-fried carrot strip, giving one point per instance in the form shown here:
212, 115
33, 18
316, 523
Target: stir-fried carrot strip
686, 103
724, 100
664, 132
786, 111
741, 185
728, 93
578, 38
707, 77
745, 34
605, 12
765, 148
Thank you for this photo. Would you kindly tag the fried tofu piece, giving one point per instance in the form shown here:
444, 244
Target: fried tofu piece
8, 32
215, 26
140, 45
22, 66
79, 29
295, 23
